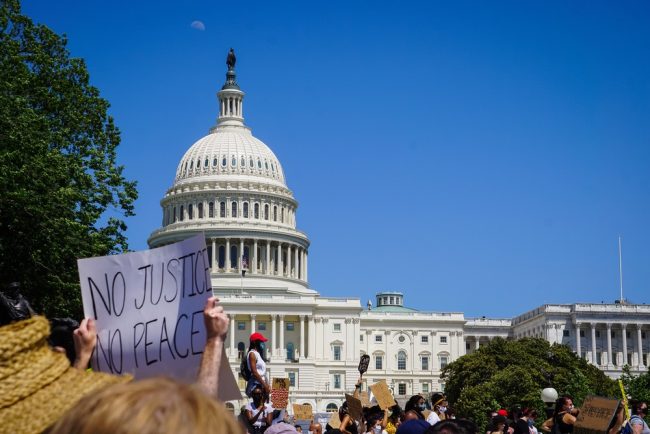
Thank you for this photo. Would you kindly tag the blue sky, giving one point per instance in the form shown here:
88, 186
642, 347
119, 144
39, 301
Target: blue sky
480, 156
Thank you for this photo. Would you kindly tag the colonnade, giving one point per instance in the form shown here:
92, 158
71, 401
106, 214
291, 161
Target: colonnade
633, 355
258, 257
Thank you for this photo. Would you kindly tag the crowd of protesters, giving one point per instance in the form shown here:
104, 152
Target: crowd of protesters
47, 388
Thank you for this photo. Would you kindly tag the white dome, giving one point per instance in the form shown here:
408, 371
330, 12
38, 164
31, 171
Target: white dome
232, 154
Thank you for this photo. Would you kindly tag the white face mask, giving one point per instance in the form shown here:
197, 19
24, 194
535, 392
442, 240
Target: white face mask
442, 409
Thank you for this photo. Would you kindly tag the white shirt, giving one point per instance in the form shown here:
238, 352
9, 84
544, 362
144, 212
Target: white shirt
261, 420
259, 363
433, 418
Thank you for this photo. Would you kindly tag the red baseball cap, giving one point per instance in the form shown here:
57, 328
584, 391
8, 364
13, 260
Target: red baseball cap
503, 412
258, 337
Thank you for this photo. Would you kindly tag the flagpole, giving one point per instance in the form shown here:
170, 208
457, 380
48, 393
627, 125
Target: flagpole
620, 266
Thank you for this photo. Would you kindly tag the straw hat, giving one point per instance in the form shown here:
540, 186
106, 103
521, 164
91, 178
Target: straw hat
37, 384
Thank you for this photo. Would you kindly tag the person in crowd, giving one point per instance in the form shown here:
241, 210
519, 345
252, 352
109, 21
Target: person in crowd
259, 413
298, 428
151, 406
257, 364
525, 423
413, 426
564, 416
315, 428
374, 424
639, 412
394, 419
439, 407
348, 424
499, 425
414, 408
456, 426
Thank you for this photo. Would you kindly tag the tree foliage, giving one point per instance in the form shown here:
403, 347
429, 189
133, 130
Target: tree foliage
636, 386
63, 194
507, 373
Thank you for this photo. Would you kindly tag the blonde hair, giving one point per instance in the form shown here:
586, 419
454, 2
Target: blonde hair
156, 405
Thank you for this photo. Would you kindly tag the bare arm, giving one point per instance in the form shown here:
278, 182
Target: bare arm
357, 388
547, 426
85, 339
347, 420
384, 421
216, 327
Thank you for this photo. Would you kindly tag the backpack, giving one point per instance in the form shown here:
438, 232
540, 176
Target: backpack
244, 370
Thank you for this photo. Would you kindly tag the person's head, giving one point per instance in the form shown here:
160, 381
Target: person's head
515, 412
530, 414
563, 404
415, 403
640, 408
258, 395
439, 402
343, 410
155, 405
499, 423
298, 428
257, 342
396, 414
455, 426
416, 426
315, 428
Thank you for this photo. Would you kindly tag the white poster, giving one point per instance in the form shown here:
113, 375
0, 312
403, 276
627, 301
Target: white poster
149, 309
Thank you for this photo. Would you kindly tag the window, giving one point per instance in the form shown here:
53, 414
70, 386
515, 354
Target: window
378, 338
214, 162
597, 333
282, 215
211, 209
233, 161
243, 162
250, 163
582, 333
331, 408
259, 164
425, 363
266, 212
443, 339
444, 361
627, 335
181, 213
425, 388
392, 299
565, 333
401, 389
291, 351
401, 361
200, 209
224, 162
275, 213
424, 339
256, 212
613, 334
261, 326
241, 325
337, 381
291, 326
190, 211
360, 338
337, 352
241, 348
233, 209
174, 214
379, 361
222, 209
245, 210
205, 163
337, 326
292, 378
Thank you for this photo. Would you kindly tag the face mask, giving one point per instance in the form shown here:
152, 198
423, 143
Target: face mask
442, 409
262, 346
377, 429
422, 406
531, 422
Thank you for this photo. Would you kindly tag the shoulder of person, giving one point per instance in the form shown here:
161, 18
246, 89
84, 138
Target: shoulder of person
636, 420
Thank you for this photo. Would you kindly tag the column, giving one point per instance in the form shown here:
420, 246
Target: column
624, 337
268, 258
348, 339
578, 349
274, 351
295, 263
303, 353
639, 345
253, 324
278, 259
325, 349
311, 351
609, 346
232, 335
241, 255
306, 260
283, 351
254, 269
594, 359
289, 260
214, 255
227, 255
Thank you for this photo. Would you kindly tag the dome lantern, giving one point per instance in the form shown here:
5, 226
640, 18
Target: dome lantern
231, 110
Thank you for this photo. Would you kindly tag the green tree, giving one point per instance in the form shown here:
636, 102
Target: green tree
507, 373
63, 194
636, 386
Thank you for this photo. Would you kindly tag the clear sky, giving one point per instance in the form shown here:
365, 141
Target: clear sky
481, 157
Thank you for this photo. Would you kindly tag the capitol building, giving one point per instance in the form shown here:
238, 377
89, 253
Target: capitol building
231, 187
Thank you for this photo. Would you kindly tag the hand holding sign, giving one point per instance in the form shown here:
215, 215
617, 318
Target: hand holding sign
216, 321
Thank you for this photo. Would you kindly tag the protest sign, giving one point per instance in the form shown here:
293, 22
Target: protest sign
365, 399
302, 412
335, 421
148, 308
354, 408
280, 392
383, 395
595, 415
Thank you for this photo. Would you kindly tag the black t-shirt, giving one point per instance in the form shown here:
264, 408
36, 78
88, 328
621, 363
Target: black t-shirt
521, 427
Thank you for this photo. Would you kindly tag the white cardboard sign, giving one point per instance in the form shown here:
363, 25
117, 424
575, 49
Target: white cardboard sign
148, 307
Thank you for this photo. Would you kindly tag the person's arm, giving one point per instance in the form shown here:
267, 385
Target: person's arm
269, 416
357, 388
384, 421
85, 339
216, 327
547, 425
347, 420
569, 419
252, 418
